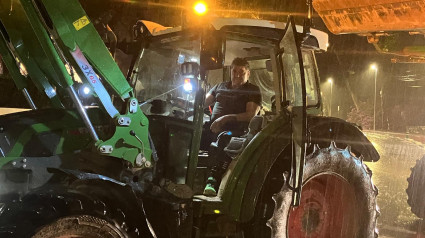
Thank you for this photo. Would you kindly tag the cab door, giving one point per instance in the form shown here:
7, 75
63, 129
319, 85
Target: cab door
294, 102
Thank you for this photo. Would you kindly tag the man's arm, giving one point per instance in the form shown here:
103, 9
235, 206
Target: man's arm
252, 109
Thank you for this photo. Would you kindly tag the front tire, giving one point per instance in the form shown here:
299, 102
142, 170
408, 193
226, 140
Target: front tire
65, 214
82, 226
338, 199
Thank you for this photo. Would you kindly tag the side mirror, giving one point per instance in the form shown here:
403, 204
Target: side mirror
212, 50
140, 31
269, 66
189, 69
311, 42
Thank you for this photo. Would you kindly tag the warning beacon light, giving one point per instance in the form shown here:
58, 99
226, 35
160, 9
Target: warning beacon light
200, 8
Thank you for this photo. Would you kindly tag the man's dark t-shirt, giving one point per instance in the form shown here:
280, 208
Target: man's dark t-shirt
233, 101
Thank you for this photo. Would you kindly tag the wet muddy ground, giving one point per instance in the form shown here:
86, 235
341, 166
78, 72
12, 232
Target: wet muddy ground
398, 153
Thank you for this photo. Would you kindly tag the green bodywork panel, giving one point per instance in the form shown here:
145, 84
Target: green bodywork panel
68, 133
62, 131
236, 188
75, 29
40, 128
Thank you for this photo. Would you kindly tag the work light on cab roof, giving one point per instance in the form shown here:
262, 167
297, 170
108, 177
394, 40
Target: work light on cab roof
200, 8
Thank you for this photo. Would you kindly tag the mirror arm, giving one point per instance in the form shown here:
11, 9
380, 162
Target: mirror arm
309, 21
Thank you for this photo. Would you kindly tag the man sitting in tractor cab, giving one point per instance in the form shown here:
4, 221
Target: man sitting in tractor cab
236, 103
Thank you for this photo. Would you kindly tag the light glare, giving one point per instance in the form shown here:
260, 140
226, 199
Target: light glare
86, 90
200, 8
187, 86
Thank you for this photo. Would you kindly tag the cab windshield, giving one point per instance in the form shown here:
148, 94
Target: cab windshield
159, 85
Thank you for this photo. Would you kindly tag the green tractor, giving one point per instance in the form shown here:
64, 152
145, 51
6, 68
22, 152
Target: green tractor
120, 157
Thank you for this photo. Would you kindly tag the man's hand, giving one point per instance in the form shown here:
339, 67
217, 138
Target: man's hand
218, 124
209, 99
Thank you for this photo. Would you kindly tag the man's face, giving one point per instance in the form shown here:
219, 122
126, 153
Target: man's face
240, 75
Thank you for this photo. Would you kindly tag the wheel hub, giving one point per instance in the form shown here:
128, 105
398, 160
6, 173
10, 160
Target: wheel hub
311, 221
327, 209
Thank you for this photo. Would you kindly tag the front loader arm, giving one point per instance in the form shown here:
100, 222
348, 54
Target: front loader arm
22, 45
20, 80
55, 40
75, 31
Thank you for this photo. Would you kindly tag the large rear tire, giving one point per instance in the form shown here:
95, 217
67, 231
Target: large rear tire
338, 199
416, 189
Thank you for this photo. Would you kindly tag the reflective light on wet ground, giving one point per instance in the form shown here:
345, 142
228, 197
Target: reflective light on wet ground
398, 155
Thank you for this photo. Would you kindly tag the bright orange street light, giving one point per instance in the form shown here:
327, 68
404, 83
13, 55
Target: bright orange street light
200, 8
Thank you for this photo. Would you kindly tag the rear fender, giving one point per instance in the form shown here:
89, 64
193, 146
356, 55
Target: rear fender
271, 149
246, 177
323, 130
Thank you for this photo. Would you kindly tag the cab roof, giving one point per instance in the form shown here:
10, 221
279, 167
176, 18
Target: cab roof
226, 23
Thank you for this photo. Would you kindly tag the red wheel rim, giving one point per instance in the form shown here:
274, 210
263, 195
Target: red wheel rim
327, 209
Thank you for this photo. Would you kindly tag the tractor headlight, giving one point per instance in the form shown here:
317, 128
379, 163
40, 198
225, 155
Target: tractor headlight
84, 91
187, 86
190, 74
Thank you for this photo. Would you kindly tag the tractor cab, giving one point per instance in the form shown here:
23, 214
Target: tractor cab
178, 66
130, 164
